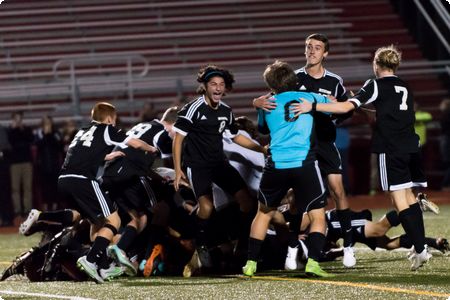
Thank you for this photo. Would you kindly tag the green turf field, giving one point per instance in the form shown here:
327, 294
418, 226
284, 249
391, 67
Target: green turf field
378, 275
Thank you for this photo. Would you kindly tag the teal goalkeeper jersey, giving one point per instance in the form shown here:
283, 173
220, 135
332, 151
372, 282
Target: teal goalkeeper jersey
291, 139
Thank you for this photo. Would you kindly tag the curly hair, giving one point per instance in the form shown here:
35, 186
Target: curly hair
209, 71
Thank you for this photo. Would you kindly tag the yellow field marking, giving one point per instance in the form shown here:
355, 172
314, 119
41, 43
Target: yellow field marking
353, 284
5, 262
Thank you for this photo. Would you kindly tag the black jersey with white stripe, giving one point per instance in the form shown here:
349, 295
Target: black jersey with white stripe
136, 161
394, 126
203, 127
89, 147
329, 84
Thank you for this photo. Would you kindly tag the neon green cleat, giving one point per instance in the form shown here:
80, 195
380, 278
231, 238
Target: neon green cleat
250, 268
313, 269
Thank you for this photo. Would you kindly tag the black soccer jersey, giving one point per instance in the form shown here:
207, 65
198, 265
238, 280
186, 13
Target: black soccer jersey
89, 147
394, 126
203, 127
329, 84
136, 161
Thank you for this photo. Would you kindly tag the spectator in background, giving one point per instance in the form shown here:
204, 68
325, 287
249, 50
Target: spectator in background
5, 213
49, 156
445, 141
21, 139
68, 133
148, 112
420, 126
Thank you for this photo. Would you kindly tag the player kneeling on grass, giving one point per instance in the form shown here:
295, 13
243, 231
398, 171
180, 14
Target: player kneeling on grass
291, 163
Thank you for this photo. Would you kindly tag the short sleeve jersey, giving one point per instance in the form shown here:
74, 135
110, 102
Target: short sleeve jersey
87, 151
394, 125
329, 84
292, 139
137, 161
203, 127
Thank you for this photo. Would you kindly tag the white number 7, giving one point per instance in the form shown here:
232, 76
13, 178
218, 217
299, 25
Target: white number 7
404, 91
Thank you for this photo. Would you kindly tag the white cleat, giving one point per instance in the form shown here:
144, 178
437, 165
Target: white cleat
419, 259
291, 262
349, 259
427, 205
32, 218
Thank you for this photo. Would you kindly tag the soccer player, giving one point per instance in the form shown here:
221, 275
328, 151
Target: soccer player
125, 179
372, 233
291, 163
87, 152
393, 140
313, 77
200, 126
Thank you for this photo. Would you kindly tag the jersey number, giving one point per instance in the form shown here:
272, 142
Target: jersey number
222, 126
287, 113
404, 92
138, 130
86, 137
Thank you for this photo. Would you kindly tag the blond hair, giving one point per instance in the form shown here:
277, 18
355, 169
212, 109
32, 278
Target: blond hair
388, 57
102, 110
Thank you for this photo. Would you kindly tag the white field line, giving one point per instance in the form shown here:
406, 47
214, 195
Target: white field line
43, 295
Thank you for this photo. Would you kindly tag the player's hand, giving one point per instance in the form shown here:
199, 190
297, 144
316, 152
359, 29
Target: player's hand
180, 179
151, 149
300, 108
114, 155
265, 102
332, 98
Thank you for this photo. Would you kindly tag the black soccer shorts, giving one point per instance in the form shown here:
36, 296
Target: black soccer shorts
400, 171
223, 175
88, 196
306, 182
329, 158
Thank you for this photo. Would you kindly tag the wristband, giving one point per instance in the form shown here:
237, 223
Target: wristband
313, 109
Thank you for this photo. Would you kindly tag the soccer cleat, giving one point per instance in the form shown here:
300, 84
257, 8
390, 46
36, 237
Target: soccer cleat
142, 265
291, 262
192, 266
419, 259
349, 259
204, 256
442, 244
121, 258
152, 262
313, 269
89, 268
250, 268
29, 222
427, 205
112, 272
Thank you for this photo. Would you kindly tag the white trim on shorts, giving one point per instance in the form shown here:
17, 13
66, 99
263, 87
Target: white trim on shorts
189, 175
101, 199
322, 186
383, 171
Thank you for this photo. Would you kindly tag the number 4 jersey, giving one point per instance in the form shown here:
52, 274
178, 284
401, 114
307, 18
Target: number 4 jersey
394, 127
89, 147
